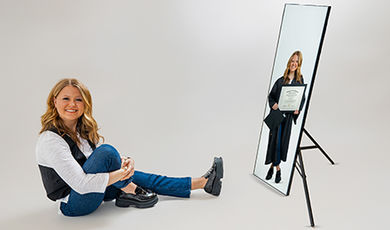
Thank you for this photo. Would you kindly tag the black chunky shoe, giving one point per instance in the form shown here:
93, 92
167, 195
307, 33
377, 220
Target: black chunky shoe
142, 191
214, 176
141, 199
270, 173
278, 176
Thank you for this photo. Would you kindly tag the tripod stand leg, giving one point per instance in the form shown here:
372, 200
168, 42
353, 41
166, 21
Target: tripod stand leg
303, 174
323, 151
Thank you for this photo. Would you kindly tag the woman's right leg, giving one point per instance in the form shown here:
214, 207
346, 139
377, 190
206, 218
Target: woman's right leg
105, 158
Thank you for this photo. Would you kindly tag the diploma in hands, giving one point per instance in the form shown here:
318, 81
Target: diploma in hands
291, 97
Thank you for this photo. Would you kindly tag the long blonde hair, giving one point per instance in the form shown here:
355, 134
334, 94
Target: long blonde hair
297, 74
86, 124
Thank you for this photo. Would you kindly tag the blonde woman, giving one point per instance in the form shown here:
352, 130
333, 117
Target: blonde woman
81, 175
279, 137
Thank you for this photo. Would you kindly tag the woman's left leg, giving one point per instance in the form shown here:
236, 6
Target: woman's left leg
278, 155
182, 186
170, 186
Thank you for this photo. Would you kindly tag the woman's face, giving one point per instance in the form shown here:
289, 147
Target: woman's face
69, 104
294, 63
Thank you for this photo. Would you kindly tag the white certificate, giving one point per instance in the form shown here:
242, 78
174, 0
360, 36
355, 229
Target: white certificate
291, 97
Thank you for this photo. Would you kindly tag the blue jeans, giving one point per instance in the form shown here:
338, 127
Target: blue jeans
106, 158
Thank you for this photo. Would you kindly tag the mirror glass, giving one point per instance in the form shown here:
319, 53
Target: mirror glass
298, 48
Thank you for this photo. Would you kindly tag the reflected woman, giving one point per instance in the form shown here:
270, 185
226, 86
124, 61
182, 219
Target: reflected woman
279, 137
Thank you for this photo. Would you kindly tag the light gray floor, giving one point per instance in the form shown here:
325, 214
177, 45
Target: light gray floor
178, 82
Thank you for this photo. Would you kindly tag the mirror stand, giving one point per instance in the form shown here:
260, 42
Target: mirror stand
315, 146
301, 170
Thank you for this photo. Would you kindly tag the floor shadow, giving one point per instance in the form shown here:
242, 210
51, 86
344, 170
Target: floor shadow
50, 218
195, 195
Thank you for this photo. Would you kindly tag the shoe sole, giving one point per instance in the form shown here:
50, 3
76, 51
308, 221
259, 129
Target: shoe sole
217, 183
219, 163
137, 204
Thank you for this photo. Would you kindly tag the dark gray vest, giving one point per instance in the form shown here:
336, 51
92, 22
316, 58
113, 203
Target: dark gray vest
55, 186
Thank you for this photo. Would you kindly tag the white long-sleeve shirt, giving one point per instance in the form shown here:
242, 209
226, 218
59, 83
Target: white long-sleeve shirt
54, 152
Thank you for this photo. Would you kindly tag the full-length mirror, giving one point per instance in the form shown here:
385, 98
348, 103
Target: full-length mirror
296, 59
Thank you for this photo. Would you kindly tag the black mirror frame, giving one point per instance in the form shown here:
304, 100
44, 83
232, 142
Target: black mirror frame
310, 88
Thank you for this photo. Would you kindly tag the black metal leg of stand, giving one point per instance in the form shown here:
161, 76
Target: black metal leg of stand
303, 174
323, 151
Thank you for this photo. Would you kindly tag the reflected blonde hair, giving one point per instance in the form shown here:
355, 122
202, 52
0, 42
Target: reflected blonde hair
86, 124
297, 74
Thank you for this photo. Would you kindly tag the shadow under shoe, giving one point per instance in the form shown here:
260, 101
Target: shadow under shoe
214, 176
141, 199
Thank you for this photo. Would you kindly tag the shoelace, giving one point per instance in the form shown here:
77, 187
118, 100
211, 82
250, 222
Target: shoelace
208, 173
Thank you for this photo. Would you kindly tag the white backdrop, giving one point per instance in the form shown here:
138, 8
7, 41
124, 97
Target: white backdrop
175, 83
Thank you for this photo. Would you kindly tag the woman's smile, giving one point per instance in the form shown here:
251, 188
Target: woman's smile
294, 63
70, 106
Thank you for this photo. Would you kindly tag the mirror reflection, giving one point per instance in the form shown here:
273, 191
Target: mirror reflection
279, 135
296, 58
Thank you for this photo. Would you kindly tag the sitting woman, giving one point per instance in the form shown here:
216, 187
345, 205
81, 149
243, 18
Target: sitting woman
80, 175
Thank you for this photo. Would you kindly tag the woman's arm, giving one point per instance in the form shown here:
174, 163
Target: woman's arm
125, 172
273, 97
296, 112
53, 151
116, 175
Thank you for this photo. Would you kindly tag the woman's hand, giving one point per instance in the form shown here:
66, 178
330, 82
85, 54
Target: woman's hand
296, 112
126, 161
117, 175
275, 106
125, 172
128, 166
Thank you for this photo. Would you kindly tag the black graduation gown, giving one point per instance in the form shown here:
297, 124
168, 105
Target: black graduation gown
273, 98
